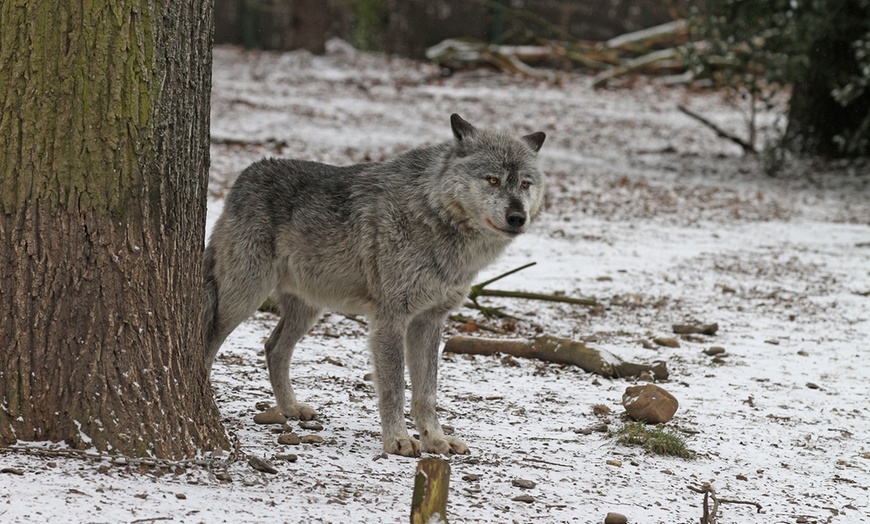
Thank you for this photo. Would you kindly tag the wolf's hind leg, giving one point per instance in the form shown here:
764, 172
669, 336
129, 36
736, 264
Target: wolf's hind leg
421, 346
297, 317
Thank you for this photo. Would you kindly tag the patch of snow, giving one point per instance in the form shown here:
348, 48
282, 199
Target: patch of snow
683, 228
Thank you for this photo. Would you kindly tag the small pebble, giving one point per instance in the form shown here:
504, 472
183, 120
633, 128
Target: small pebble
310, 425
270, 416
224, 476
714, 350
312, 439
289, 457
263, 405
472, 477
614, 462
668, 342
601, 409
601, 427
289, 439
523, 483
181, 496
12, 471
813, 385
615, 518
262, 465
528, 499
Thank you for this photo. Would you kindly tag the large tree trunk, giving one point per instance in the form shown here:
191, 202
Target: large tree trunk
103, 175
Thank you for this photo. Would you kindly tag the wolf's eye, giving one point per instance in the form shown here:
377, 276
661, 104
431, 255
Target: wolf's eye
525, 184
493, 181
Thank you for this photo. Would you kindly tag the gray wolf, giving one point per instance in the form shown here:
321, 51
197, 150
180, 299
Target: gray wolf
399, 241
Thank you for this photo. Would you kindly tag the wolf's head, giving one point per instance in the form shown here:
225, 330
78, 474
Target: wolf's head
494, 179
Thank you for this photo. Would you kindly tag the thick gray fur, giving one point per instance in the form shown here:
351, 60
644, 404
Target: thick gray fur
399, 241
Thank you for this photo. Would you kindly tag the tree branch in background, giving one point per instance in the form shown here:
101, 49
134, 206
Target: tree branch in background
748, 148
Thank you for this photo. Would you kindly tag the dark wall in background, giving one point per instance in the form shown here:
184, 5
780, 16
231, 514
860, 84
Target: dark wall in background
408, 27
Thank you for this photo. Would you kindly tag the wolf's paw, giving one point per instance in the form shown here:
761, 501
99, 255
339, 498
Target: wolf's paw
299, 411
405, 446
445, 445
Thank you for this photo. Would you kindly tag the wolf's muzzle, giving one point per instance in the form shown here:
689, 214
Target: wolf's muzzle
515, 219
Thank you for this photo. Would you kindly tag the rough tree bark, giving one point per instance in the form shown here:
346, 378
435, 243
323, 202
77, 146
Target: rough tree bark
104, 118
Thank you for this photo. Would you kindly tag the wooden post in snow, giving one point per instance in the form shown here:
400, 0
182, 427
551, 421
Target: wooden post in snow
429, 503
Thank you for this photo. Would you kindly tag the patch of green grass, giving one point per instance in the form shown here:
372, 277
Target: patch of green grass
654, 439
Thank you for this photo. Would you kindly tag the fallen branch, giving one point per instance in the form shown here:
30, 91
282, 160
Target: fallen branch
709, 516
643, 39
559, 351
457, 54
537, 296
229, 141
478, 290
748, 148
642, 62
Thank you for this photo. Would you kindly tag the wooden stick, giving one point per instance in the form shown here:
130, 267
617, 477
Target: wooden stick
644, 38
559, 351
537, 296
431, 483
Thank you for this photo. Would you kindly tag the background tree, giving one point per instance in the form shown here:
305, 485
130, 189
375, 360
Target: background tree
820, 49
104, 133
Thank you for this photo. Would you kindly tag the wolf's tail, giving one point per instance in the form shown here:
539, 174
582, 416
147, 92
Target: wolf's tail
209, 304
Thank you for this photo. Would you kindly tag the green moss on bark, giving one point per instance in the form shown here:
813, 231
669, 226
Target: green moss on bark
77, 103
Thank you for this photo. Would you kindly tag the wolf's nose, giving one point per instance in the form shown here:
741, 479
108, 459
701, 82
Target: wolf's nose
516, 218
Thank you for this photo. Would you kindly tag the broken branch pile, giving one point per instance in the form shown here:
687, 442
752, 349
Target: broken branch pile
654, 50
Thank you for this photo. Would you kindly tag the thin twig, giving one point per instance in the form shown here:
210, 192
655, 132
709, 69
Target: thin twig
482, 285
748, 148
235, 455
479, 290
709, 516
537, 296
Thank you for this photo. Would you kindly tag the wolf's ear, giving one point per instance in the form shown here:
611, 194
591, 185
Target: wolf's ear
535, 140
461, 128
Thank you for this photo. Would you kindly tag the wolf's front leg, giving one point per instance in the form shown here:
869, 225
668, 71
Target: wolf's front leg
422, 341
386, 344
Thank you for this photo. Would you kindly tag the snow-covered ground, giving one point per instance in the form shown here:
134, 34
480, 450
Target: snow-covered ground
650, 213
